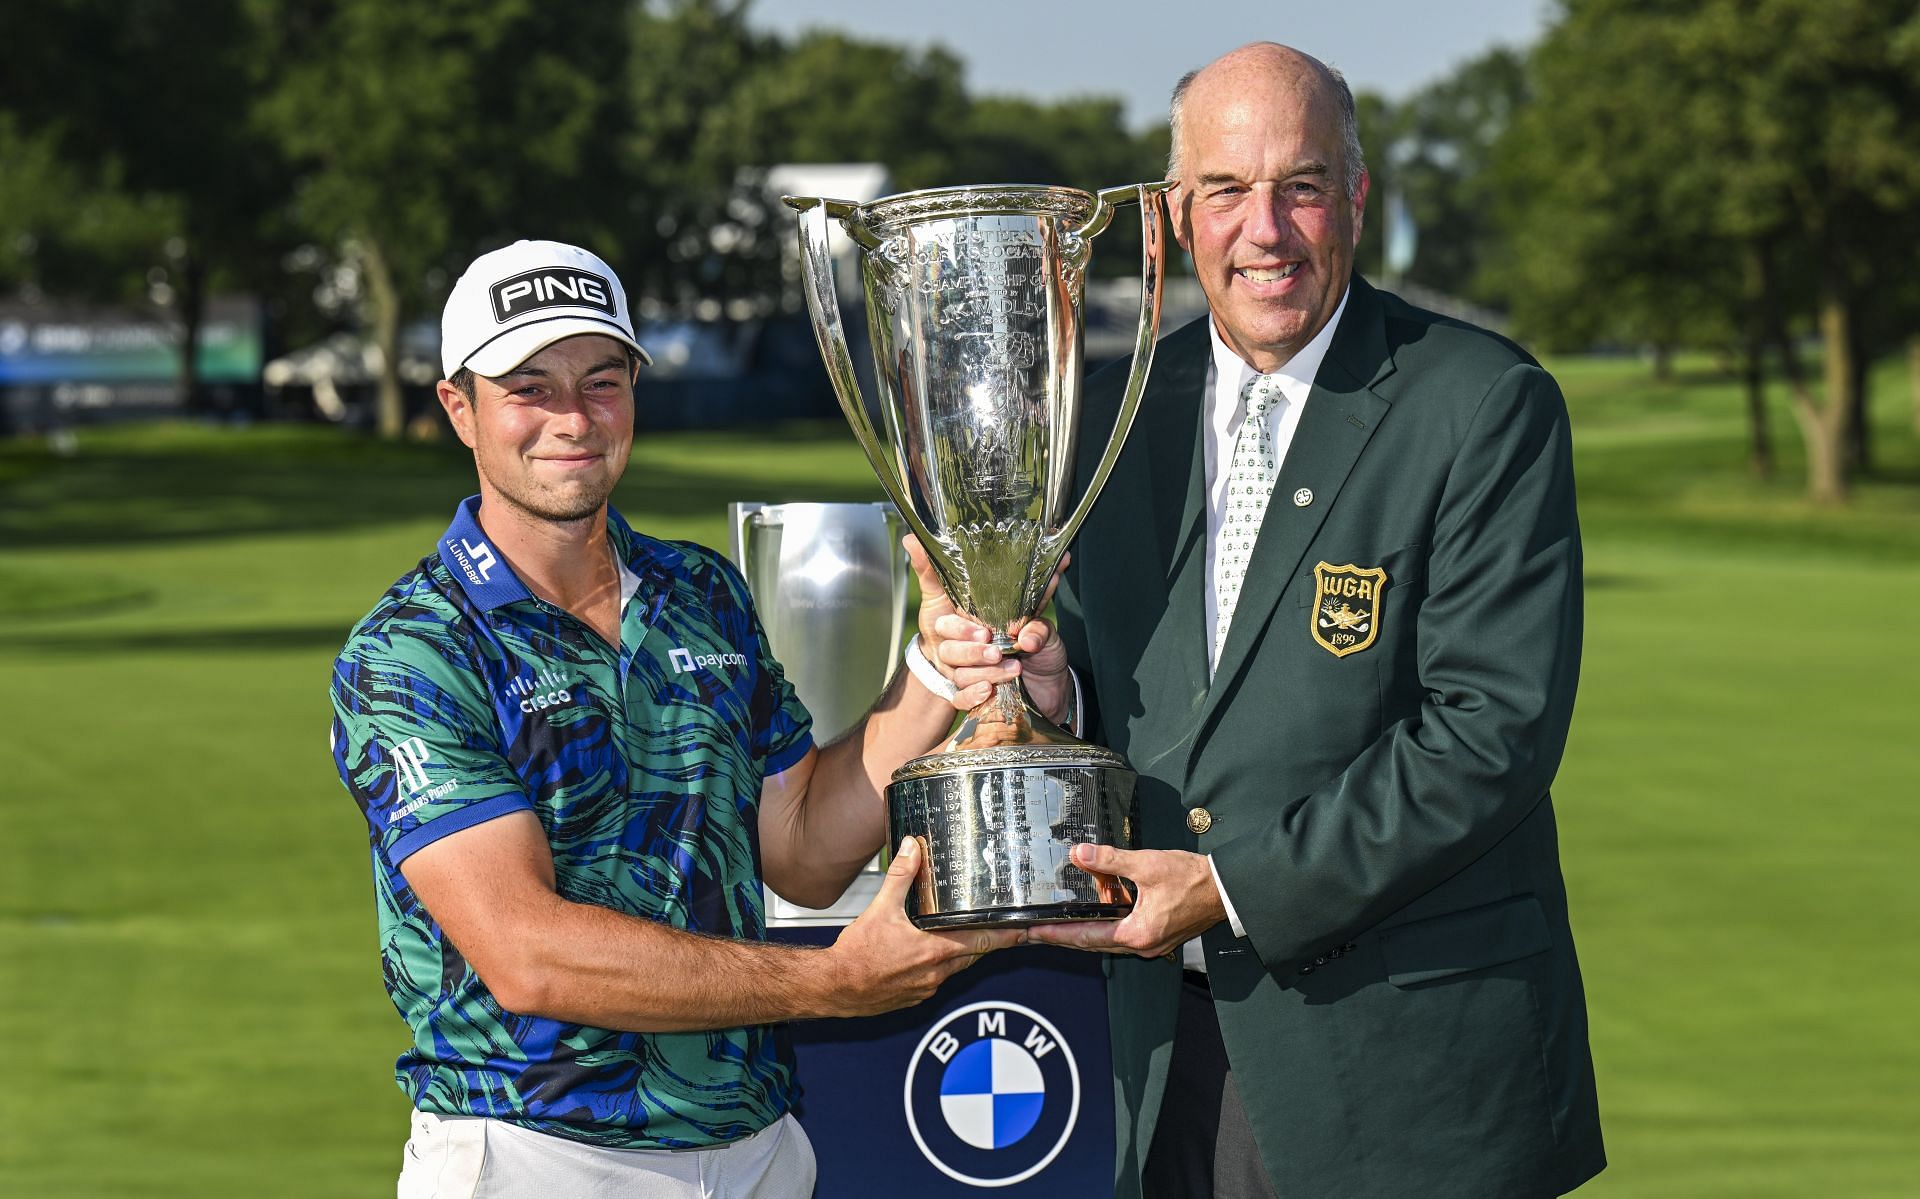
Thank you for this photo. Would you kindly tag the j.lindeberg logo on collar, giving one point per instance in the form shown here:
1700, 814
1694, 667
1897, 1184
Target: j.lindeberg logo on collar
475, 559
551, 287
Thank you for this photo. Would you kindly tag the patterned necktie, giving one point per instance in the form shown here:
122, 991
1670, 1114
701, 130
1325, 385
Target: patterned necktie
1250, 480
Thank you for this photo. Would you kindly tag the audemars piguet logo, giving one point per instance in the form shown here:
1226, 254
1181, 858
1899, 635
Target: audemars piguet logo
412, 761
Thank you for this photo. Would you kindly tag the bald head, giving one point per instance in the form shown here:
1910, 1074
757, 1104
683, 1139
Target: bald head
1267, 68
1269, 196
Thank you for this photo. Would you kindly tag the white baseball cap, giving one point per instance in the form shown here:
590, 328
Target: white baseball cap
518, 300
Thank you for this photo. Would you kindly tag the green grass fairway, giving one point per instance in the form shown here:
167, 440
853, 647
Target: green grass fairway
190, 999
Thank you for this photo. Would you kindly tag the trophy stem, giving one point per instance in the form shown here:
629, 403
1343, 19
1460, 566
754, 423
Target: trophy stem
1010, 703
1005, 719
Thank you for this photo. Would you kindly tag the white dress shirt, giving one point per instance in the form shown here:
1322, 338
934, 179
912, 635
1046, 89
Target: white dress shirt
1227, 377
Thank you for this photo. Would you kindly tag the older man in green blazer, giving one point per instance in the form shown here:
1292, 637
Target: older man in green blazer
1329, 606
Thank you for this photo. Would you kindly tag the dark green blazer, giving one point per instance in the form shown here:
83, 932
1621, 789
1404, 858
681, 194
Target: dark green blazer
1405, 1015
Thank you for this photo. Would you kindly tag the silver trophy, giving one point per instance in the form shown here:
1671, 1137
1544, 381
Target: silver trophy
829, 582
974, 307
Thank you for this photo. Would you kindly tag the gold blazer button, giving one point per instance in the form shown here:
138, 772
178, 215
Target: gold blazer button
1199, 820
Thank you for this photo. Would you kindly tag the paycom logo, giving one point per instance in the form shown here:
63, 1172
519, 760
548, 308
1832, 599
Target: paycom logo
992, 1094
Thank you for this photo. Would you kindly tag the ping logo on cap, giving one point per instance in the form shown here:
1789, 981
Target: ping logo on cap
551, 287
992, 1094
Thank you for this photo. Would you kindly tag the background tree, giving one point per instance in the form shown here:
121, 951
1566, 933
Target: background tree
1435, 151
1608, 228
1826, 95
715, 104
830, 97
1081, 143
422, 133
1378, 119
1721, 174
1714, 173
148, 182
72, 229
695, 229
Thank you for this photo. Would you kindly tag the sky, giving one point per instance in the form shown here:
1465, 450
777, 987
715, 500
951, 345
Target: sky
1049, 49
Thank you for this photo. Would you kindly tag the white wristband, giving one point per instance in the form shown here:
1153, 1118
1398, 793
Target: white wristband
928, 674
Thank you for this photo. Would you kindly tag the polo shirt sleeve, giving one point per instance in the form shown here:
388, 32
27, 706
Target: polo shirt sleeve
786, 736
782, 726
417, 742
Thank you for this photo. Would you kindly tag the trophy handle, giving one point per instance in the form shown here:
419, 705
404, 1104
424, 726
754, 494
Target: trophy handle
816, 267
904, 612
1104, 202
740, 515
1153, 264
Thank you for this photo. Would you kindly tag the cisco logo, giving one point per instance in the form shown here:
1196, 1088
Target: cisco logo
992, 1094
548, 689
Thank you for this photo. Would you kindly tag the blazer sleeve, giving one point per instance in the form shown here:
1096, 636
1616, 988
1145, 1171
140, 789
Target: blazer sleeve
1071, 627
1498, 655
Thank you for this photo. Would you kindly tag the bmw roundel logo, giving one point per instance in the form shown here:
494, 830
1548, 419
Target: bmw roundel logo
992, 1094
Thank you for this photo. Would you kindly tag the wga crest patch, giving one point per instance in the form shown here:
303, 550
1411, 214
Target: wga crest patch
1347, 604
992, 1094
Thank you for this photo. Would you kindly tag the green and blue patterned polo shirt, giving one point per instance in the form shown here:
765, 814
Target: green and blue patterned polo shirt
462, 697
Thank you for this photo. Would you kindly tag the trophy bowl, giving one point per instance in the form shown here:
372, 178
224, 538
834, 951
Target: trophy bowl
974, 309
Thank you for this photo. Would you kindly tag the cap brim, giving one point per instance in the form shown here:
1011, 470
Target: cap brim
502, 353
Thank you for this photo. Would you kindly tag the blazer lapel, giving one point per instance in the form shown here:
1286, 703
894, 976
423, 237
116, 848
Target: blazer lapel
1341, 414
1179, 465
1168, 557
1181, 469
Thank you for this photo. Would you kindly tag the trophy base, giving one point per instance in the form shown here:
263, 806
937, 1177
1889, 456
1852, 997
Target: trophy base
997, 813
1026, 917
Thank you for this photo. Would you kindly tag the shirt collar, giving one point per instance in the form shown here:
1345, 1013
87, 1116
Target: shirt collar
646, 565
1296, 374
490, 582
